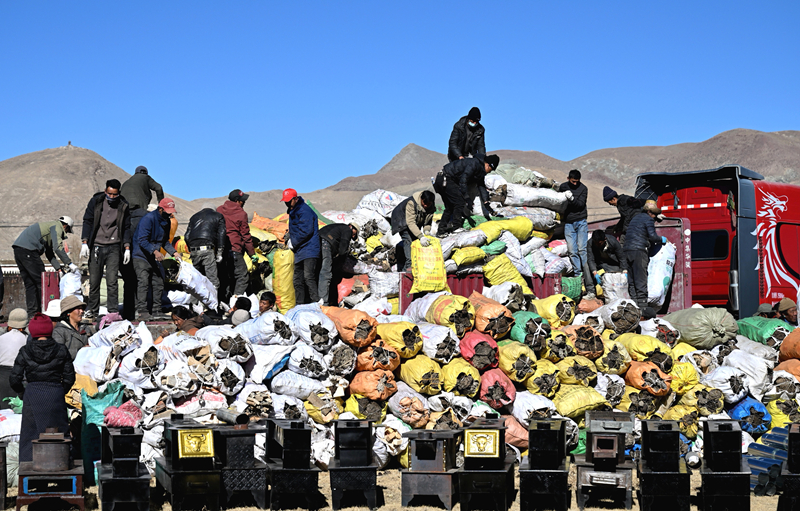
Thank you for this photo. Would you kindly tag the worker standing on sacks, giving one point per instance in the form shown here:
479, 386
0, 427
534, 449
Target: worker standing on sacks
304, 238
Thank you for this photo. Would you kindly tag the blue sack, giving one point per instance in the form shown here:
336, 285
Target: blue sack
752, 415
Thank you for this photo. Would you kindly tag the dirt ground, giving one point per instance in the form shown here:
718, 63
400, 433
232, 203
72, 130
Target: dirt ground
388, 499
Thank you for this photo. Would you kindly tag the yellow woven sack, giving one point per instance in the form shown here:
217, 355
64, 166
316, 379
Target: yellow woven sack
644, 348
682, 349
82, 382
422, 374
558, 347
261, 234
684, 378
453, 311
520, 226
395, 303
642, 403
784, 412
576, 370
614, 360
403, 336
468, 255
544, 380
283, 280
322, 408
688, 419
500, 270
366, 409
461, 378
427, 267
574, 401
707, 400
517, 361
557, 309
373, 242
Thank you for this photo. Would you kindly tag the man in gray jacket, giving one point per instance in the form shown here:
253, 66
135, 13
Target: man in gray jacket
413, 218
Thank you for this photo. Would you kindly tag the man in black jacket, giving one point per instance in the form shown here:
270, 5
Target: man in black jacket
576, 229
453, 183
467, 137
106, 232
335, 245
205, 237
605, 253
641, 234
627, 207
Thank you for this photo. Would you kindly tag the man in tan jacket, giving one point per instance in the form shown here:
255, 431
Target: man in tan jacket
410, 218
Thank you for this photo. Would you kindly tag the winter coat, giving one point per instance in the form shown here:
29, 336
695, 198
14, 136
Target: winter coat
236, 227
45, 238
93, 214
64, 333
338, 237
138, 190
409, 214
576, 208
303, 231
465, 141
152, 234
610, 254
627, 207
206, 227
42, 361
466, 172
641, 233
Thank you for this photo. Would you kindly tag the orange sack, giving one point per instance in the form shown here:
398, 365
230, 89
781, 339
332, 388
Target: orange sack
377, 385
378, 355
647, 376
279, 229
491, 317
355, 327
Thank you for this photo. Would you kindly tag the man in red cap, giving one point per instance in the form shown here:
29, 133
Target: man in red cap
303, 235
237, 229
152, 234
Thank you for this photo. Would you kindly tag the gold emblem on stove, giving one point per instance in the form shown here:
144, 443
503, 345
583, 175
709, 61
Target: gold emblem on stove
482, 443
195, 443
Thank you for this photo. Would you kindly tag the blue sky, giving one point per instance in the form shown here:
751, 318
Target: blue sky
263, 95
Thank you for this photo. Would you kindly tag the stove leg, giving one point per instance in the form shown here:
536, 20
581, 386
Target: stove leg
580, 497
464, 499
261, 498
372, 499
336, 498
175, 503
500, 502
213, 503
628, 499
405, 499
447, 500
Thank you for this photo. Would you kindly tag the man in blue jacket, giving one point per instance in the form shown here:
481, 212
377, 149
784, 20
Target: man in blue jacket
641, 234
303, 230
152, 234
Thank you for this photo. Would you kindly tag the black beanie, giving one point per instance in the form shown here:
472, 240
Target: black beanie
608, 194
493, 160
141, 169
474, 114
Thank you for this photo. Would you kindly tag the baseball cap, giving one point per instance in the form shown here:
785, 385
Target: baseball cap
167, 204
288, 194
238, 195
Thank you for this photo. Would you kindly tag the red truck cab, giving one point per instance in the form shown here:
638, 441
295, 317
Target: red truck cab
745, 240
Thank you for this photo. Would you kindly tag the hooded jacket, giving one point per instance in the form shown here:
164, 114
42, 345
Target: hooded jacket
236, 227
465, 140
576, 208
138, 189
64, 333
466, 172
410, 214
338, 237
303, 231
206, 227
45, 238
641, 233
627, 207
93, 214
42, 361
152, 234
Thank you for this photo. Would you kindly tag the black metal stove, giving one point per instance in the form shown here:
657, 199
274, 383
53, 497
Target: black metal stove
289, 461
544, 473
431, 466
663, 474
353, 467
235, 456
122, 478
790, 471
487, 471
725, 474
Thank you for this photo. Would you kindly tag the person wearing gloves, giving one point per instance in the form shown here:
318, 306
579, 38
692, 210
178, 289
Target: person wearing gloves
47, 368
467, 137
304, 237
238, 242
641, 235
413, 218
627, 207
69, 331
787, 311
10, 343
106, 236
605, 253
41, 238
452, 183
205, 237
576, 229
334, 246
150, 237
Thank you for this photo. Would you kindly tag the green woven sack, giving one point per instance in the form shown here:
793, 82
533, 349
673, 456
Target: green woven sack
572, 287
496, 247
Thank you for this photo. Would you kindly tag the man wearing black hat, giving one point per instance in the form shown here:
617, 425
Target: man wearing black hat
605, 253
627, 207
237, 230
453, 183
467, 136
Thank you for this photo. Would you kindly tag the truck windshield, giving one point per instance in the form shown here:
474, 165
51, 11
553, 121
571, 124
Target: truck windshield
710, 245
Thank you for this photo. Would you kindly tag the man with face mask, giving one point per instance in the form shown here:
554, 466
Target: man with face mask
106, 238
467, 137
152, 234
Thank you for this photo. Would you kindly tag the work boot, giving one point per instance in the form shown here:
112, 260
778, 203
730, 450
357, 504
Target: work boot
144, 316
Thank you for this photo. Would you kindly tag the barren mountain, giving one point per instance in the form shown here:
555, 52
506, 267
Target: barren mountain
53, 182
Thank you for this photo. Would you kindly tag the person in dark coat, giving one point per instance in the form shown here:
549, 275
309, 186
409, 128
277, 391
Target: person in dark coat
576, 228
452, 183
238, 243
412, 218
303, 235
641, 235
106, 233
627, 207
69, 331
334, 246
47, 367
605, 253
150, 237
205, 237
467, 137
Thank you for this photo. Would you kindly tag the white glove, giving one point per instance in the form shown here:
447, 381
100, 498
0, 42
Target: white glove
424, 241
84, 251
73, 268
568, 193
126, 257
219, 256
